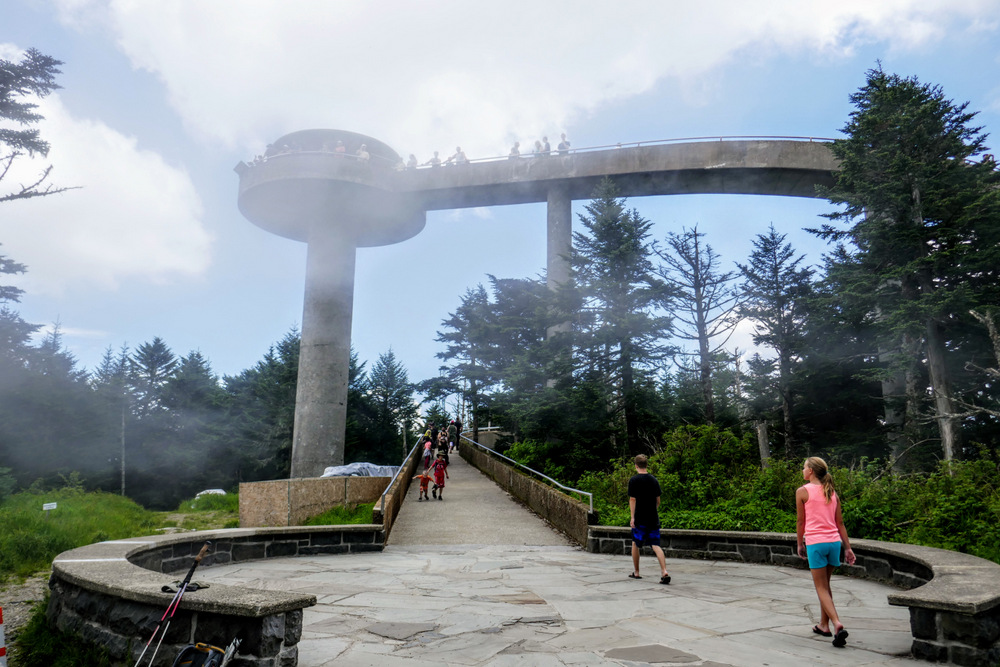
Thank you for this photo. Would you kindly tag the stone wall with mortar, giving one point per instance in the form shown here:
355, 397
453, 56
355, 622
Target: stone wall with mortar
396, 493
565, 513
953, 598
110, 593
289, 502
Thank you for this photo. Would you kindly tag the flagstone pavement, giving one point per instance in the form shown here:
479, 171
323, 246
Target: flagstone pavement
476, 579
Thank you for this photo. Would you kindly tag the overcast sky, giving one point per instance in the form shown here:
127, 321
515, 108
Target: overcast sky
160, 100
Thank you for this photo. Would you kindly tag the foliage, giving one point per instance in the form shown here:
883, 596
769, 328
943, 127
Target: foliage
212, 502
29, 539
920, 245
615, 302
703, 307
708, 482
32, 77
40, 645
343, 515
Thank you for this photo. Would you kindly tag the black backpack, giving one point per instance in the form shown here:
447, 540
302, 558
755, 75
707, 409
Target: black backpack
200, 655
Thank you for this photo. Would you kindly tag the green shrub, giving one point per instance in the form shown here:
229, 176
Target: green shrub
710, 479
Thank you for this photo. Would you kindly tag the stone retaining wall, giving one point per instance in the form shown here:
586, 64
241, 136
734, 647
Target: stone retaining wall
565, 513
289, 502
109, 593
953, 598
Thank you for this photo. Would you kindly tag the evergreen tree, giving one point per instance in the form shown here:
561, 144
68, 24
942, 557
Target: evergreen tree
470, 351
704, 304
619, 328
261, 404
775, 290
921, 214
152, 366
32, 77
391, 396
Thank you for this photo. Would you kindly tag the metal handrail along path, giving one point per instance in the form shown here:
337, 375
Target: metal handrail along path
401, 468
590, 496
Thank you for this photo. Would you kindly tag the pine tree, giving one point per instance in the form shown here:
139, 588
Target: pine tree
704, 304
32, 77
775, 290
922, 220
619, 328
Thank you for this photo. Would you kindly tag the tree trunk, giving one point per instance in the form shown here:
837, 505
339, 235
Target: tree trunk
706, 373
944, 405
762, 442
785, 382
628, 400
893, 407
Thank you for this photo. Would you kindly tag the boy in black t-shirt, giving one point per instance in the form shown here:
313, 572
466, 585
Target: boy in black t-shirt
643, 503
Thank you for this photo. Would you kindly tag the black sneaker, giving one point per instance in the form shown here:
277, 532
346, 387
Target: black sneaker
434, 492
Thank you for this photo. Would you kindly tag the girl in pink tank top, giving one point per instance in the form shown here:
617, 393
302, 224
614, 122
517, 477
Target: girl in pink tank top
820, 534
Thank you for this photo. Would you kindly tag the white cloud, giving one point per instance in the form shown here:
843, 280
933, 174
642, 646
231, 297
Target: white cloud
423, 75
133, 216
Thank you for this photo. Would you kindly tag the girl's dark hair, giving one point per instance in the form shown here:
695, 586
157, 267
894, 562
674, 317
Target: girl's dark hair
822, 473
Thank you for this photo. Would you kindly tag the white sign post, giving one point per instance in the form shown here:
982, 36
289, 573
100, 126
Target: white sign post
46, 507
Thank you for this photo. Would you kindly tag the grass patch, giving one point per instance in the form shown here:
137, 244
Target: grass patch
38, 645
29, 539
343, 515
212, 502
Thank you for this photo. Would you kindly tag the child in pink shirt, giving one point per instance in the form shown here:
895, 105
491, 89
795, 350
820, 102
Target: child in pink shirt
820, 534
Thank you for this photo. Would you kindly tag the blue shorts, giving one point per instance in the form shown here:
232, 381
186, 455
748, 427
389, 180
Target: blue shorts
823, 554
643, 536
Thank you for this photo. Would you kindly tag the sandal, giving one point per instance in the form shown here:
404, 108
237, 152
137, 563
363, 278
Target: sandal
665, 579
840, 640
824, 633
633, 575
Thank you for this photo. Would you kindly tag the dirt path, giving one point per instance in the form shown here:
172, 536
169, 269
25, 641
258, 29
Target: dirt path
17, 600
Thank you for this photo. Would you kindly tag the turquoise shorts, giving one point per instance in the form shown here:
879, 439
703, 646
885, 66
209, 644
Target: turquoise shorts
823, 554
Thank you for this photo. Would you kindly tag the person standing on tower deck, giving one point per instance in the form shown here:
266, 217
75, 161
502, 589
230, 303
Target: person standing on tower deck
820, 533
644, 504
563, 146
458, 157
363, 155
546, 148
515, 151
434, 161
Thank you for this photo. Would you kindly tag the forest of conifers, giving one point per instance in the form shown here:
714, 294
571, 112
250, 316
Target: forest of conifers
883, 360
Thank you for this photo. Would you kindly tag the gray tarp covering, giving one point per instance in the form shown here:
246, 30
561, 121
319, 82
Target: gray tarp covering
360, 470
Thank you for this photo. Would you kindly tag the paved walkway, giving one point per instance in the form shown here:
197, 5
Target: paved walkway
476, 579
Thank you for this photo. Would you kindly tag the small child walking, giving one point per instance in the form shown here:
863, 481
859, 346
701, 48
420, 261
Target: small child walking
821, 534
440, 471
425, 479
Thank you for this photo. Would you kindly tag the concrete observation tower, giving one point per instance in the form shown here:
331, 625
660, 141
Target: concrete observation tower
305, 190
309, 189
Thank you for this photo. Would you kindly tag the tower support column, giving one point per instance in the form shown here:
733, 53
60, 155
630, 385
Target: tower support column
324, 354
559, 235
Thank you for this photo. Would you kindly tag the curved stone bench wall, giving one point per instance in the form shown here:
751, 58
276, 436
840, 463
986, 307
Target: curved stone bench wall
953, 598
109, 593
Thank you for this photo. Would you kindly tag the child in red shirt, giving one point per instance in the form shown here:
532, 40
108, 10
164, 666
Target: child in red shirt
440, 470
425, 479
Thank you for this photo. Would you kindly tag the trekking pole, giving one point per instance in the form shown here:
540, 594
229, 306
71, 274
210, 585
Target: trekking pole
172, 608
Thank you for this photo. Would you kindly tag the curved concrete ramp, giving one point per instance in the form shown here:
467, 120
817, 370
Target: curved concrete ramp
474, 511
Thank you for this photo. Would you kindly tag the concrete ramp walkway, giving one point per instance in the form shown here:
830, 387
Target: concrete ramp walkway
474, 511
